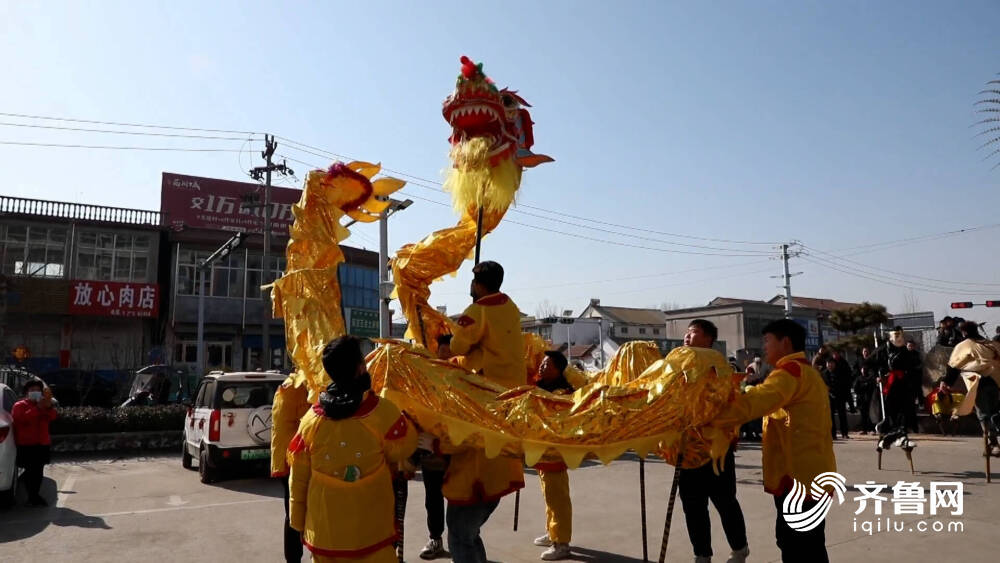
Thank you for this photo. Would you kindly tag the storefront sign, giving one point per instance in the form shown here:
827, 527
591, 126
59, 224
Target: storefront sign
114, 299
193, 202
362, 322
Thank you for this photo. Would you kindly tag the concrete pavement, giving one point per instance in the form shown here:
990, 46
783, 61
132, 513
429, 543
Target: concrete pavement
149, 508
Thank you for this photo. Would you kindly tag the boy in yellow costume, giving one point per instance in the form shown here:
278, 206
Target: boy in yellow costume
290, 403
798, 442
341, 483
554, 476
489, 336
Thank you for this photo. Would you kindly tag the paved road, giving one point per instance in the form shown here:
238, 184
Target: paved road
150, 509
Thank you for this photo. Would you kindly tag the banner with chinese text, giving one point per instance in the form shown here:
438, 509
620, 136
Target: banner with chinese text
114, 299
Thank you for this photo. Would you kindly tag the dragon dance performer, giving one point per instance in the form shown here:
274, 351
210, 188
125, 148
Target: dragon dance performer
699, 485
554, 477
797, 443
432, 468
291, 402
980, 359
488, 334
341, 482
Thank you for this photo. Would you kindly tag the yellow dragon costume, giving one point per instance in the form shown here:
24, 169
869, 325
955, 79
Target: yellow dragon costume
641, 401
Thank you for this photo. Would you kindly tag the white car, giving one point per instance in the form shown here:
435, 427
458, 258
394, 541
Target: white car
229, 423
8, 451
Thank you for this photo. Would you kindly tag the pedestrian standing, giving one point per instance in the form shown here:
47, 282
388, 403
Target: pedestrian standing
32, 416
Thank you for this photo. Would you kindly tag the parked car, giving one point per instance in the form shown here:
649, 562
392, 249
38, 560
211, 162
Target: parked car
160, 385
8, 451
76, 387
15, 376
229, 423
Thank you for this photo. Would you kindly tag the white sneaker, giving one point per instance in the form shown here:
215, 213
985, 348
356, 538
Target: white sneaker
739, 556
433, 550
543, 541
557, 552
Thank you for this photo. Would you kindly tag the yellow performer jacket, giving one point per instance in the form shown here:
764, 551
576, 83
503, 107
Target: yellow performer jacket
290, 403
340, 488
795, 404
489, 336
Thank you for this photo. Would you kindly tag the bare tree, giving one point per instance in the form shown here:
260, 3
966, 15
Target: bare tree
547, 309
670, 306
911, 303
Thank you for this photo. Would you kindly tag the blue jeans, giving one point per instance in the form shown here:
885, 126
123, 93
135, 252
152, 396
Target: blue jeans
464, 522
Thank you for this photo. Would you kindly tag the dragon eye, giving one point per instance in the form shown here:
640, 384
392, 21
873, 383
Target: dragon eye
508, 102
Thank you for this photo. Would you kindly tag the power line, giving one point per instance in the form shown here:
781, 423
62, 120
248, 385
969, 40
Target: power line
422, 182
112, 147
920, 238
111, 131
123, 124
594, 239
936, 280
896, 283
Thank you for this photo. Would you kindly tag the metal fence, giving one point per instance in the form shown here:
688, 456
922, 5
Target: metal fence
78, 211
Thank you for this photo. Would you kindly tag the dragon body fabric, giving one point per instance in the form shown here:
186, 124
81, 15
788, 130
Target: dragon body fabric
641, 401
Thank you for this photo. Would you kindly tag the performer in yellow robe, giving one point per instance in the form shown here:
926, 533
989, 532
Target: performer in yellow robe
553, 476
341, 483
291, 402
488, 334
798, 443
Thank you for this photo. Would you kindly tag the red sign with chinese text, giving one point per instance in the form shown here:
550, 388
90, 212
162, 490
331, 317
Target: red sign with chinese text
114, 299
194, 202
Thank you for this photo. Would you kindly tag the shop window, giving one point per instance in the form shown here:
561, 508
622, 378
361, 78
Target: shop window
228, 277
121, 257
33, 251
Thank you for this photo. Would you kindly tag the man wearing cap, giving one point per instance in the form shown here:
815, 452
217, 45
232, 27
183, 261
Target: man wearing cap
488, 334
553, 476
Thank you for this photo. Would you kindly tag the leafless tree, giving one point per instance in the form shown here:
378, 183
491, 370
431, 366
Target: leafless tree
911, 303
547, 309
670, 306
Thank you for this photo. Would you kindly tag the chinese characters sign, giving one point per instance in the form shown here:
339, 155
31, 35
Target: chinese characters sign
208, 203
114, 299
362, 322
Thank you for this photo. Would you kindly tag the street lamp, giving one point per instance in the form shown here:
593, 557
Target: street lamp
384, 285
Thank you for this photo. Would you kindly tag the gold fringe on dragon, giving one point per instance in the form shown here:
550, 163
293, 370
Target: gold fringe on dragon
640, 401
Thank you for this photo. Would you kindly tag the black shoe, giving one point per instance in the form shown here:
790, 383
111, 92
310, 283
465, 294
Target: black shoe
37, 501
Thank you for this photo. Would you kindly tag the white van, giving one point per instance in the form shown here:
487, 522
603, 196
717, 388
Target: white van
229, 423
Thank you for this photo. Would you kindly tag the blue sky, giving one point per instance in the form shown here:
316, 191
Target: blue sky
837, 124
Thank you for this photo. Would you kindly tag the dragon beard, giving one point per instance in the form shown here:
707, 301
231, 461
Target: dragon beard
474, 183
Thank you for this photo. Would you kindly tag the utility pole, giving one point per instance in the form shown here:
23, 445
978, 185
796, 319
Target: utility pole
270, 145
384, 287
788, 282
787, 277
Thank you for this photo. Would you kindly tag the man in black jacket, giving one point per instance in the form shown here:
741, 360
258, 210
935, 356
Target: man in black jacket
865, 387
896, 366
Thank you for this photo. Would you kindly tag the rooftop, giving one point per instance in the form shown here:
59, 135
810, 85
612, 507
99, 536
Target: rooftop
10, 205
631, 315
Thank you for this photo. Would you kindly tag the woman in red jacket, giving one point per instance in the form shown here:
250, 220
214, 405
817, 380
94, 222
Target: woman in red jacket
31, 435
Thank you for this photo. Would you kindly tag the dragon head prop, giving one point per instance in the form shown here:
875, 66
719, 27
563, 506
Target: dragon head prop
491, 141
477, 108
